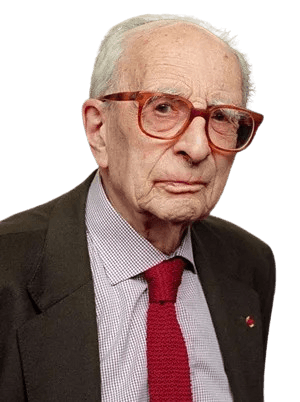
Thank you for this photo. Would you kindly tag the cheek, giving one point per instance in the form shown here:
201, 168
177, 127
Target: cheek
142, 163
119, 139
133, 156
129, 165
117, 147
223, 164
223, 168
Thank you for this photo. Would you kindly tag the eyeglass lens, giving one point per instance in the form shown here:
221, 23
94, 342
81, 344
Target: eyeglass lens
164, 116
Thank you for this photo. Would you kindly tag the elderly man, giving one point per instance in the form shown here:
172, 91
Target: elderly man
125, 289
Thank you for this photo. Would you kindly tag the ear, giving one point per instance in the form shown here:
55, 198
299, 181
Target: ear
95, 128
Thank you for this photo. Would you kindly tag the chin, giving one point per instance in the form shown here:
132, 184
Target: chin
183, 211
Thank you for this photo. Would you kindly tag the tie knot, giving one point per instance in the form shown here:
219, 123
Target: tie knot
164, 279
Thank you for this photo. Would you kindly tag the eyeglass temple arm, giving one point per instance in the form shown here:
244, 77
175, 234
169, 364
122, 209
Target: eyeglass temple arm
122, 96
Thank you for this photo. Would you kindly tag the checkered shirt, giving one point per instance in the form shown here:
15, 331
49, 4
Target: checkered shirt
119, 256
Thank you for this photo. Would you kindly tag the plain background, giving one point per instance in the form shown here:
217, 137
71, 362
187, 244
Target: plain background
48, 50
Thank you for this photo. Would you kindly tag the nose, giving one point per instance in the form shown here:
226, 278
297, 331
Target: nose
193, 143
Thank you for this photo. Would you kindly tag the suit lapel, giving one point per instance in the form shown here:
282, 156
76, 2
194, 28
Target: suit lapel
59, 347
230, 301
59, 351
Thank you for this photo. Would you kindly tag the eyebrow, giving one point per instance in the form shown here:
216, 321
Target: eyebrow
174, 91
220, 102
216, 102
171, 91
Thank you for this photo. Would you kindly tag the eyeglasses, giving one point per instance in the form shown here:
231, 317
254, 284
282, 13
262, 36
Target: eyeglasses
228, 128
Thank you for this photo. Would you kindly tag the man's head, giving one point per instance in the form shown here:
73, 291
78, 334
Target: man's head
175, 180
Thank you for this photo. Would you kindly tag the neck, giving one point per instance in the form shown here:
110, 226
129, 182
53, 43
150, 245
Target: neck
165, 236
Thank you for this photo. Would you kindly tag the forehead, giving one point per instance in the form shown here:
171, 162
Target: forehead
182, 56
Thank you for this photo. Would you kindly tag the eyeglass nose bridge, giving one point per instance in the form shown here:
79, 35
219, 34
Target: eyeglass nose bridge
199, 113
204, 113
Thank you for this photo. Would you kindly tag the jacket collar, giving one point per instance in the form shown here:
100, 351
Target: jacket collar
64, 266
59, 347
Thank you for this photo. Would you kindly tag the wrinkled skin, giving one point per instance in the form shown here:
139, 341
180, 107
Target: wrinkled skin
161, 186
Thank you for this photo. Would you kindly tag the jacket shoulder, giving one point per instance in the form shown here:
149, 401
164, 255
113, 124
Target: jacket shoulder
27, 221
231, 236
36, 219
246, 257
23, 235
22, 239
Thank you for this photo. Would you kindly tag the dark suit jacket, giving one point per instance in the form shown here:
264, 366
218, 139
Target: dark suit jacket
48, 338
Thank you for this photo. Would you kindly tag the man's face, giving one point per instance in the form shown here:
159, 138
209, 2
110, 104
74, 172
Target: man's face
177, 180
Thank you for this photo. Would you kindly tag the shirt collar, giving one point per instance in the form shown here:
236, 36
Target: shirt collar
125, 253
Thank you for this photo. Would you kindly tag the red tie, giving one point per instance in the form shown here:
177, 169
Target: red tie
167, 358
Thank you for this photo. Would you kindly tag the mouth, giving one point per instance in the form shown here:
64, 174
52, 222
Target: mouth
178, 187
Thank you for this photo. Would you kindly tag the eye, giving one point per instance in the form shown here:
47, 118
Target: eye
163, 108
219, 116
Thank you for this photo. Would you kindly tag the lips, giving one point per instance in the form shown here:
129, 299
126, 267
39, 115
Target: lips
178, 186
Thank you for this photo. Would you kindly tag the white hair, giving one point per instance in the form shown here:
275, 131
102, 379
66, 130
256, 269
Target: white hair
112, 48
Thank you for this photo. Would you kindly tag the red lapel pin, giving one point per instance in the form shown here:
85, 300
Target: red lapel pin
250, 321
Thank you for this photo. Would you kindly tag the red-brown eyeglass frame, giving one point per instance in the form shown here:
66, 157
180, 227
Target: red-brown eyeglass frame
142, 97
